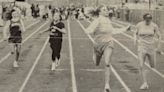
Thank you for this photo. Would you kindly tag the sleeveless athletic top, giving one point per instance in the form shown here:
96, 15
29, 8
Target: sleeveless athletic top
146, 32
102, 29
15, 28
57, 33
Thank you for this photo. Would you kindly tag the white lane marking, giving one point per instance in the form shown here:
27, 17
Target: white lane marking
112, 68
33, 66
6, 56
35, 32
74, 85
26, 28
92, 70
58, 69
128, 50
156, 71
32, 24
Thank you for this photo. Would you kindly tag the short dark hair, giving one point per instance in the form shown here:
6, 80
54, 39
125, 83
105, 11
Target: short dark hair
147, 15
99, 9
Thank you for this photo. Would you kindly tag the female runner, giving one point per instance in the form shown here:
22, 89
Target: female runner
57, 29
15, 26
103, 30
144, 36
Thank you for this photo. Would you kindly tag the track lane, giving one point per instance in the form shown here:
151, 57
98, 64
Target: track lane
128, 68
89, 80
27, 24
8, 50
4, 47
46, 80
12, 78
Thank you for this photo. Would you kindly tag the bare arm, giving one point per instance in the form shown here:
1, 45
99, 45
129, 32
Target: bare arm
92, 26
63, 30
136, 37
6, 29
22, 25
120, 30
158, 34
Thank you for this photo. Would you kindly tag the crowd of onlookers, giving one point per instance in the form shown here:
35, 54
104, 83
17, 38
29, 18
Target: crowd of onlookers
47, 11
74, 11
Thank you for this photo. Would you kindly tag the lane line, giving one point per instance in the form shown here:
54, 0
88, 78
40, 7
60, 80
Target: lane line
7, 55
74, 85
134, 55
26, 28
92, 70
33, 66
58, 69
32, 24
112, 68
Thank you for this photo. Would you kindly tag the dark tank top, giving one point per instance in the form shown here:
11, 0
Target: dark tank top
15, 28
57, 33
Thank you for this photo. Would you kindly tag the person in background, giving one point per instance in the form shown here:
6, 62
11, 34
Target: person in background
15, 26
57, 29
32, 10
146, 32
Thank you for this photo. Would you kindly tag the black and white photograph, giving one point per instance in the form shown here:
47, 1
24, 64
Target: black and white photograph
81, 45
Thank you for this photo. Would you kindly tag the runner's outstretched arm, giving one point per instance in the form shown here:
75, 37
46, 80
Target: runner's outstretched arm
22, 25
158, 34
63, 30
5, 30
121, 30
92, 26
136, 36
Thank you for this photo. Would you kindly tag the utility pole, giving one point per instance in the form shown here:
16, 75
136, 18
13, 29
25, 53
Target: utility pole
97, 2
149, 4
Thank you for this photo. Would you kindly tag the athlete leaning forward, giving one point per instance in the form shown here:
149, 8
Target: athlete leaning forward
15, 26
103, 31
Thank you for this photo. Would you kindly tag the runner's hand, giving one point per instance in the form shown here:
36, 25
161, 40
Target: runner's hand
129, 28
54, 27
53, 30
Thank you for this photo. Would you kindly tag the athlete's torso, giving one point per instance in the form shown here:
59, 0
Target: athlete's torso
103, 32
146, 32
15, 27
57, 33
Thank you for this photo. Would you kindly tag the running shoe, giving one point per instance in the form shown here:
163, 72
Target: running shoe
57, 63
94, 59
53, 67
107, 88
15, 64
144, 86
